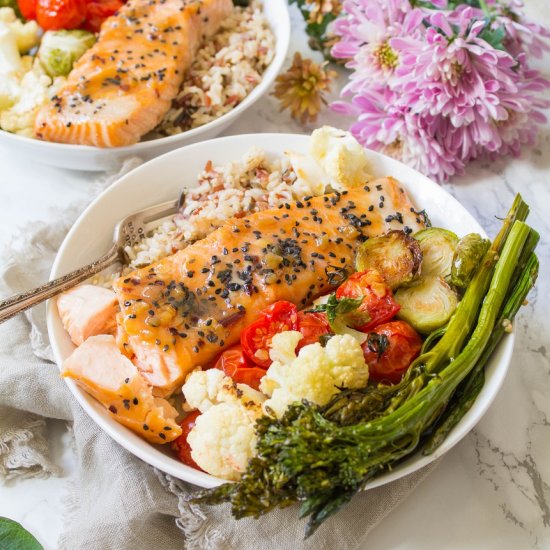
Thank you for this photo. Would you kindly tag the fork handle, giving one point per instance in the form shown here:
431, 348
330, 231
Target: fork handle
21, 302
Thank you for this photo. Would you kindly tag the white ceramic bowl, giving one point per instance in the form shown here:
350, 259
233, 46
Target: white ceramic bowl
161, 180
83, 157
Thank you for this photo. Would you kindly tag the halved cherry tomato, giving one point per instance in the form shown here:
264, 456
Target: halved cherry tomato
378, 305
240, 369
99, 10
27, 8
53, 15
256, 338
312, 326
180, 445
388, 358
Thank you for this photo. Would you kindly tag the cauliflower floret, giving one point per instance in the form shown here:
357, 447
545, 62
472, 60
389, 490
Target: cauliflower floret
223, 441
9, 91
204, 389
35, 89
27, 35
201, 389
283, 346
341, 156
315, 374
311, 179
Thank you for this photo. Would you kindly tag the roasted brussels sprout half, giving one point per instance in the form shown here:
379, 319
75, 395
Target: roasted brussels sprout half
395, 255
428, 304
438, 248
60, 49
468, 254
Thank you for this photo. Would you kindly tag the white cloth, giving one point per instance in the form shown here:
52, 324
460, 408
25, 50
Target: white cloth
116, 501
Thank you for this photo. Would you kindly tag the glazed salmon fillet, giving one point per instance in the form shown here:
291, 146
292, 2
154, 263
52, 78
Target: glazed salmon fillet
187, 308
122, 87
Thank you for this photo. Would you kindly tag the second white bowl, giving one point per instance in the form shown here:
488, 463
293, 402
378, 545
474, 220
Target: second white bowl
83, 157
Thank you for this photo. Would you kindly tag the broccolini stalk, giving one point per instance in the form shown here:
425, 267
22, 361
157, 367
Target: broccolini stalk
471, 387
306, 457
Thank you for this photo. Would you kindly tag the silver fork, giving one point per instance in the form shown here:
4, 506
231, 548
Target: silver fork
128, 232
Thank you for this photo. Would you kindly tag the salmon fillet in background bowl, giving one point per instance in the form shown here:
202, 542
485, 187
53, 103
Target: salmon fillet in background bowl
140, 189
111, 154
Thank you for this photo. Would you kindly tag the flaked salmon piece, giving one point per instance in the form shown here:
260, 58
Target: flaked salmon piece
192, 305
122, 87
100, 369
160, 368
87, 310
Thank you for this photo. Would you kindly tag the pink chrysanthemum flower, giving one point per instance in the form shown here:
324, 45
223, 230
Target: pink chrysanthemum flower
365, 33
384, 126
440, 87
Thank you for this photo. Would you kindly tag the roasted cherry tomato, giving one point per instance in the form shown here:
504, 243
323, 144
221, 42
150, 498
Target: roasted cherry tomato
53, 15
180, 445
256, 338
27, 8
240, 369
312, 326
378, 305
99, 10
390, 349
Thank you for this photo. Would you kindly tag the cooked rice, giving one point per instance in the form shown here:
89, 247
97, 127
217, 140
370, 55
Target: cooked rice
252, 184
226, 69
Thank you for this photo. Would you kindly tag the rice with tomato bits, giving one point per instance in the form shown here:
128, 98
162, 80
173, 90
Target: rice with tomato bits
226, 69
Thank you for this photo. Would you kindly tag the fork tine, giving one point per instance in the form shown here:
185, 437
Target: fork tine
158, 211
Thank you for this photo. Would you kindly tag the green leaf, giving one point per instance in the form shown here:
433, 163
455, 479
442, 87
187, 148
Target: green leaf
455, 3
317, 32
14, 537
494, 37
335, 308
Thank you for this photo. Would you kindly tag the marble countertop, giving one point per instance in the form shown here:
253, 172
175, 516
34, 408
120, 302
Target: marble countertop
490, 491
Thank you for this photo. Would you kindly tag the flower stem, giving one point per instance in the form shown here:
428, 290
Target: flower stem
483, 5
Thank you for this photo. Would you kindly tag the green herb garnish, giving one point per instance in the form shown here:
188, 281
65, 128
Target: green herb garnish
336, 309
